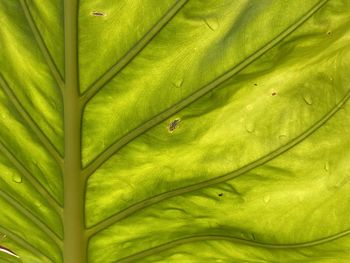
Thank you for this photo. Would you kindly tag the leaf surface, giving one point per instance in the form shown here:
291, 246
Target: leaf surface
211, 131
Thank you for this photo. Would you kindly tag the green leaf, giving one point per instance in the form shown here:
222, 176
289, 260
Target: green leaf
174, 131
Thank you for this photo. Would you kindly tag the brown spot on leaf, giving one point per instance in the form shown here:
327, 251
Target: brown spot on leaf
96, 13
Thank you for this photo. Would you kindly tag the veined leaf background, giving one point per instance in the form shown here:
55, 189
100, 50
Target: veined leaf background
174, 131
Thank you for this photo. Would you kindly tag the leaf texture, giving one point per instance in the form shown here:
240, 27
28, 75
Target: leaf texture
211, 131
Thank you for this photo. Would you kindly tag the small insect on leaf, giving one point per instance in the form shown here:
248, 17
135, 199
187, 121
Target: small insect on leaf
173, 125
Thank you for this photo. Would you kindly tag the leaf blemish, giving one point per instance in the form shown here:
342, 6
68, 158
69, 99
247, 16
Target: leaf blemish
274, 93
221, 194
2, 237
8, 251
253, 236
96, 13
212, 23
173, 125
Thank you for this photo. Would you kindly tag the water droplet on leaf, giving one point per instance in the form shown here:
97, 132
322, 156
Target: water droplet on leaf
3, 116
326, 166
283, 137
38, 204
249, 126
177, 82
35, 162
266, 199
307, 98
17, 178
249, 107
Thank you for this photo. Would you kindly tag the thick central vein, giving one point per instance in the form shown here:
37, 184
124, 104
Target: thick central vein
74, 246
